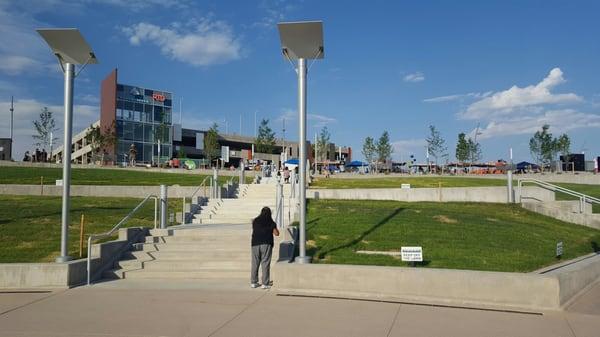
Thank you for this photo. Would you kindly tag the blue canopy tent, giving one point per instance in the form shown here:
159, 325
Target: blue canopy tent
293, 161
356, 163
527, 165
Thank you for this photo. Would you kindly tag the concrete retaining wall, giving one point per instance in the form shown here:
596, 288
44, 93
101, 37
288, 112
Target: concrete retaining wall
446, 194
550, 209
580, 178
72, 273
445, 286
578, 277
104, 191
207, 172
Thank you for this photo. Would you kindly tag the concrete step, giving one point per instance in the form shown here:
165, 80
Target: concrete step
180, 274
203, 231
199, 240
206, 255
178, 265
163, 247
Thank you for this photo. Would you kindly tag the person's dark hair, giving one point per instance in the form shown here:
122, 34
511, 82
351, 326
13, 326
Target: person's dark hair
264, 216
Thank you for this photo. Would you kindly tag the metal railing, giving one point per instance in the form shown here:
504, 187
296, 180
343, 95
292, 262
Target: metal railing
583, 198
279, 205
94, 237
202, 186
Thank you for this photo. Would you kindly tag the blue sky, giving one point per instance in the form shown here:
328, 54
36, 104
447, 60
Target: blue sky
509, 66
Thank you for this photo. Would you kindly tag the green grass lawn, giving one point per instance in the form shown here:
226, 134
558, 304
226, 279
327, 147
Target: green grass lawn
494, 237
30, 225
396, 182
88, 176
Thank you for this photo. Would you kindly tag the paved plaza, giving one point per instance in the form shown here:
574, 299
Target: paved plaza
230, 308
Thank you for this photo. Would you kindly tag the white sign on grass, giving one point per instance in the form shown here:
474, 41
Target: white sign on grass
412, 254
405, 186
559, 249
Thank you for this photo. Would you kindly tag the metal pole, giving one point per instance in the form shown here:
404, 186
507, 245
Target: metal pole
163, 206
12, 143
316, 154
511, 196
183, 211
302, 258
64, 237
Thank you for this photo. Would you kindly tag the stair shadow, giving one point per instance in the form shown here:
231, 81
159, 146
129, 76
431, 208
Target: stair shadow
363, 234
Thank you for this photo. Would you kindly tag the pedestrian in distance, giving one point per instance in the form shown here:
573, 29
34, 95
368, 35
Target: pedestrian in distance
286, 175
263, 229
132, 155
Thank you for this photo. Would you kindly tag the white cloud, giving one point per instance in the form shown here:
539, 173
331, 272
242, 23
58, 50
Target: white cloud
28, 110
513, 100
138, 5
22, 51
406, 147
314, 120
457, 97
560, 121
200, 43
414, 77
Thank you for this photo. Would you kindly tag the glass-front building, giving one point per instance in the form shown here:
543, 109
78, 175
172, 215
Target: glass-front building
142, 117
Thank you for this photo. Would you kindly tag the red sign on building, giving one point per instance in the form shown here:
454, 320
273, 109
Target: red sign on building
158, 97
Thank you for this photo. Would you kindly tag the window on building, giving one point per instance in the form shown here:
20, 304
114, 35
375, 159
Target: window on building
158, 111
148, 133
138, 132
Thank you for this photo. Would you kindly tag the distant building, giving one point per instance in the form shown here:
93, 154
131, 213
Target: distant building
5, 148
144, 117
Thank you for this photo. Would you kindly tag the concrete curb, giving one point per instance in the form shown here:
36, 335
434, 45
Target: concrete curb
69, 274
515, 291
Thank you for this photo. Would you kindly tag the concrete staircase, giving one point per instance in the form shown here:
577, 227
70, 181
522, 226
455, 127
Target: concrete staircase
250, 199
200, 252
215, 246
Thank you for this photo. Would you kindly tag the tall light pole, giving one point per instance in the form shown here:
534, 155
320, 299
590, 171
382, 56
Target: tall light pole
302, 41
71, 49
12, 143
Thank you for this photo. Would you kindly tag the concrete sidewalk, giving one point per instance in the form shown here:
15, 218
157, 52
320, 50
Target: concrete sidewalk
231, 308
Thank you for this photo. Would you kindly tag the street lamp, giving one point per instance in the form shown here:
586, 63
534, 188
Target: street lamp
71, 49
301, 41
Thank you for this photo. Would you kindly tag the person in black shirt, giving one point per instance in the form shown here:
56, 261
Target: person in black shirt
263, 229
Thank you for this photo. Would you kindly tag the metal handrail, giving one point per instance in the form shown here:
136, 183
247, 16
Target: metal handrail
114, 229
202, 184
583, 198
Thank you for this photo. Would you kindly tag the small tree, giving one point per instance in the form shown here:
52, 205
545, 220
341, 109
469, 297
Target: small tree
369, 149
436, 145
211, 144
265, 140
542, 146
100, 140
563, 146
181, 153
323, 143
474, 149
45, 126
384, 148
462, 148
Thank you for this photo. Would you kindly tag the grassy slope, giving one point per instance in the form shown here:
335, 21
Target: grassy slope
30, 226
31, 175
415, 182
494, 237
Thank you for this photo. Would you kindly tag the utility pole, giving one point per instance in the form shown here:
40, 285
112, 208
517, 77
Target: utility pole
472, 150
180, 109
316, 154
11, 128
283, 140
